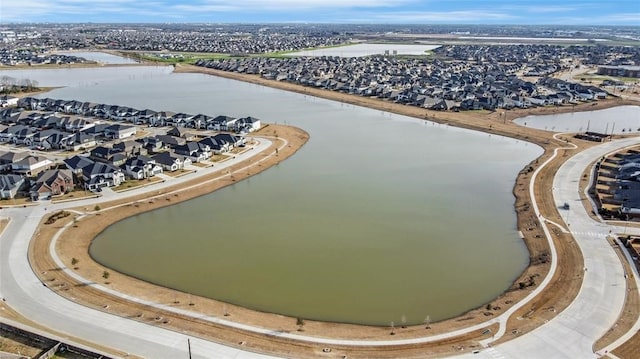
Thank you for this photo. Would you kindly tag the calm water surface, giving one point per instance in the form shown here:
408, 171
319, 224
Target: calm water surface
101, 57
378, 218
618, 120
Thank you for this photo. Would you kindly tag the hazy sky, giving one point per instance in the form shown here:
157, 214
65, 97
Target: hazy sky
570, 12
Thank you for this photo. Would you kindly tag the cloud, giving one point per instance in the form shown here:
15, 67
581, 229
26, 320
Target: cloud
35, 10
343, 11
631, 18
607, 19
280, 5
547, 9
466, 16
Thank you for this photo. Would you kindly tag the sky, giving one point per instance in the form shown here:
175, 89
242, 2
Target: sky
525, 12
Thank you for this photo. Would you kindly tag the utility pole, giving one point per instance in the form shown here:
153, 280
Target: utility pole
189, 345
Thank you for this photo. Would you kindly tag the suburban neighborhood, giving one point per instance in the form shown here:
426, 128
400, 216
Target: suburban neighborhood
94, 146
460, 78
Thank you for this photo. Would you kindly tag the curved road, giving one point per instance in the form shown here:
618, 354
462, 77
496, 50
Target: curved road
24, 292
596, 308
569, 335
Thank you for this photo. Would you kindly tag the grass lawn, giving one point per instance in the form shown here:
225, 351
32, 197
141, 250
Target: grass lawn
131, 184
77, 194
177, 173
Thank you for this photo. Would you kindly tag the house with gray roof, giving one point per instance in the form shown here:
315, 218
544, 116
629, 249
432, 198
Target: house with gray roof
79, 141
77, 163
119, 131
98, 175
31, 165
11, 185
8, 158
170, 161
195, 151
141, 167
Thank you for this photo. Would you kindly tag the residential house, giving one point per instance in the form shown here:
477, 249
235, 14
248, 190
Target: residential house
8, 158
31, 165
11, 185
6, 100
231, 140
130, 148
10, 134
77, 163
119, 131
98, 175
151, 144
39, 139
24, 136
181, 132
170, 141
77, 124
171, 161
79, 141
216, 146
108, 155
51, 183
247, 124
146, 117
221, 123
195, 151
140, 167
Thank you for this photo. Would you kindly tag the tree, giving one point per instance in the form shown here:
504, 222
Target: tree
96, 208
300, 323
74, 261
105, 275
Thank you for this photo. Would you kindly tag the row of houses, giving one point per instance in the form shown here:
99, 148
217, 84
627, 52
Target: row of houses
35, 176
111, 154
141, 117
9, 57
107, 166
618, 184
432, 84
49, 131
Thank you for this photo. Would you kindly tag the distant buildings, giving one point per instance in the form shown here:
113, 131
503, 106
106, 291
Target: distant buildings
620, 71
465, 77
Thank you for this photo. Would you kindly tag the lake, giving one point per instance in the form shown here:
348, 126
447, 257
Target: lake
378, 217
617, 120
101, 57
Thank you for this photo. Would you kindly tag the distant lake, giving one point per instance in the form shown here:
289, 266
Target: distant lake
621, 119
101, 57
88, 77
379, 217
359, 50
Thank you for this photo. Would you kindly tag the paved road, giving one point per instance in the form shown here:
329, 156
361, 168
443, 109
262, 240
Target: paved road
569, 335
574, 331
25, 293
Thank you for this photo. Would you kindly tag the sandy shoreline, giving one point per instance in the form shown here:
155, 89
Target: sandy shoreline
75, 241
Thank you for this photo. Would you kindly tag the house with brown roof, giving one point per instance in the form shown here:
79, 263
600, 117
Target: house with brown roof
51, 183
